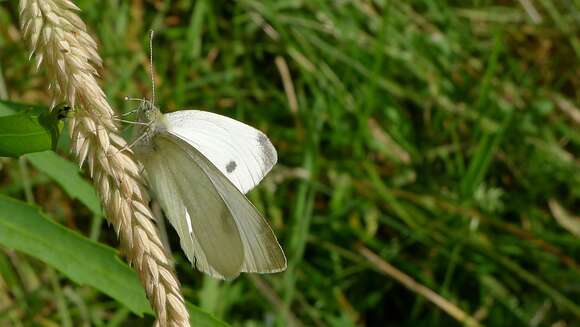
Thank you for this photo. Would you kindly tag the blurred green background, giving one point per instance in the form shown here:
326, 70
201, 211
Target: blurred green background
436, 141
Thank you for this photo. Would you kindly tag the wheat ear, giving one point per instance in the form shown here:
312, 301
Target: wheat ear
58, 40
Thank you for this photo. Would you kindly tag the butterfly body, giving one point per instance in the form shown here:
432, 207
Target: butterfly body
152, 123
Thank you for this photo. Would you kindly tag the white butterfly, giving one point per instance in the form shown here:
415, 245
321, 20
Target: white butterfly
199, 165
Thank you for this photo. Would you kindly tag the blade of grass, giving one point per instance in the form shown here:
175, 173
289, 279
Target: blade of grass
391, 271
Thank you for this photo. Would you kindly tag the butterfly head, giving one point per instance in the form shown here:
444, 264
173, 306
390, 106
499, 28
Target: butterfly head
148, 112
150, 122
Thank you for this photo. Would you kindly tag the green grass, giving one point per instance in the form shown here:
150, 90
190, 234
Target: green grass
433, 133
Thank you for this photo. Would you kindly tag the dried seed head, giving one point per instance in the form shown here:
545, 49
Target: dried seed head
58, 41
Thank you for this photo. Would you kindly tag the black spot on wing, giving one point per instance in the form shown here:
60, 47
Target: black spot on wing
268, 153
231, 166
263, 140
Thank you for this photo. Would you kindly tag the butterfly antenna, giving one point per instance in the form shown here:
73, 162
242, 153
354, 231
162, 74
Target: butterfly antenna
151, 67
135, 99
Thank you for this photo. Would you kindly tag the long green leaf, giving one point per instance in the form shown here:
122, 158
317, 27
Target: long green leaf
66, 174
199, 318
24, 228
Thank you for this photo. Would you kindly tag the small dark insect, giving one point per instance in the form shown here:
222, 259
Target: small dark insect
63, 112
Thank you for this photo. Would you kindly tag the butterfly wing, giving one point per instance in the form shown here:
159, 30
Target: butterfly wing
262, 252
211, 240
242, 153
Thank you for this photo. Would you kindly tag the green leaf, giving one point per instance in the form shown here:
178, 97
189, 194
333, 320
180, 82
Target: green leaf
66, 174
200, 318
24, 228
28, 128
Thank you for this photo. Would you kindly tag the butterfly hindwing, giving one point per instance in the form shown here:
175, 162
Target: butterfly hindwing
262, 252
208, 232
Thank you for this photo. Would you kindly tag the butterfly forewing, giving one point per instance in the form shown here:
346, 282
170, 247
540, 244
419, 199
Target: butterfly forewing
242, 153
